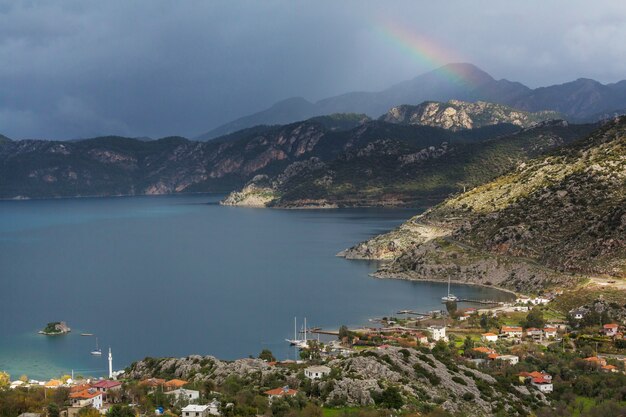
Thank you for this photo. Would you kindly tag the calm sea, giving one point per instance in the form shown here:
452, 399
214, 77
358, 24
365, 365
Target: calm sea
177, 275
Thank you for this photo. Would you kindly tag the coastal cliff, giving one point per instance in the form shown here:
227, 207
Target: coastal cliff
552, 221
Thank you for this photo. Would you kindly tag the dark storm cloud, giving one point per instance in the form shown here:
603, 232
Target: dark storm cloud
83, 68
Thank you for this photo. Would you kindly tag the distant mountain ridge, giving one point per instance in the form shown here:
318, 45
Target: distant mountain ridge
579, 100
123, 166
456, 115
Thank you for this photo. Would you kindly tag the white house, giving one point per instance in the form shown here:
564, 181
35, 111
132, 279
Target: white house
489, 337
316, 372
214, 407
610, 329
187, 394
542, 384
438, 333
549, 332
512, 331
88, 397
534, 334
195, 410
510, 359
578, 313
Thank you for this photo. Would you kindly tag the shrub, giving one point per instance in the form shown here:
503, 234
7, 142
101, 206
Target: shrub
468, 396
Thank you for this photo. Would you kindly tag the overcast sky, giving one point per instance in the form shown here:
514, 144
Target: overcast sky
71, 69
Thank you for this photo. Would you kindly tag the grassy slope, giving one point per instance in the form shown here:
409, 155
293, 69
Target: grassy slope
566, 210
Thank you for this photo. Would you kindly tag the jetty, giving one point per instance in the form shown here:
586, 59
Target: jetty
414, 313
476, 301
321, 331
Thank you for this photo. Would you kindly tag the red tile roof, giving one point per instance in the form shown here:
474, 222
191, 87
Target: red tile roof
483, 349
611, 326
106, 384
175, 383
281, 391
541, 381
152, 382
78, 388
85, 394
511, 329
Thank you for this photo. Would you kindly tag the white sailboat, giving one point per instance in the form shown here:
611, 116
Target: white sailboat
450, 297
97, 351
301, 343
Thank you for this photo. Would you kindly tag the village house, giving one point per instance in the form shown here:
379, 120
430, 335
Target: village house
105, 386
489, 337
540, 380
16, 384
279, 393
525, 376
483, 349
596, 360
578, 313
53, 383
187, 394
512, 331
549, 332
88, 397
173, 384
195, 410
510, 359
438, 333
152, 383
542, 385
420, 337
316, 372
609, 368
534, 334
610, 329
214, 407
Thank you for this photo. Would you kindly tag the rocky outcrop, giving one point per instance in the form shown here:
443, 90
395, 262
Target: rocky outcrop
55, 328
456, 115
358, 380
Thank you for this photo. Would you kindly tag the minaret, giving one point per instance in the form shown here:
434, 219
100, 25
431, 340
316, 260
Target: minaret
110, 364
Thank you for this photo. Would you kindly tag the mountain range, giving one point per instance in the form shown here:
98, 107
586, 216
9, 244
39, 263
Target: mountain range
581, 100
125, 166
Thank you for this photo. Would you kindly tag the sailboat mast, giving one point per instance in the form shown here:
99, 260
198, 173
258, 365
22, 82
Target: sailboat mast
448, 286
305, 329
295, 328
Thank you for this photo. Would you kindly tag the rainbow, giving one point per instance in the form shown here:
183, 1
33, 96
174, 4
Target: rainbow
422, 49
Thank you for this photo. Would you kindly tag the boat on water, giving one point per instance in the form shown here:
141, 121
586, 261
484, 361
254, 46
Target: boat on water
97, 351
86, 334
300, 343
450, 298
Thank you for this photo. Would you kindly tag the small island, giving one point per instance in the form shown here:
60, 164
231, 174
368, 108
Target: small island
55, 328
